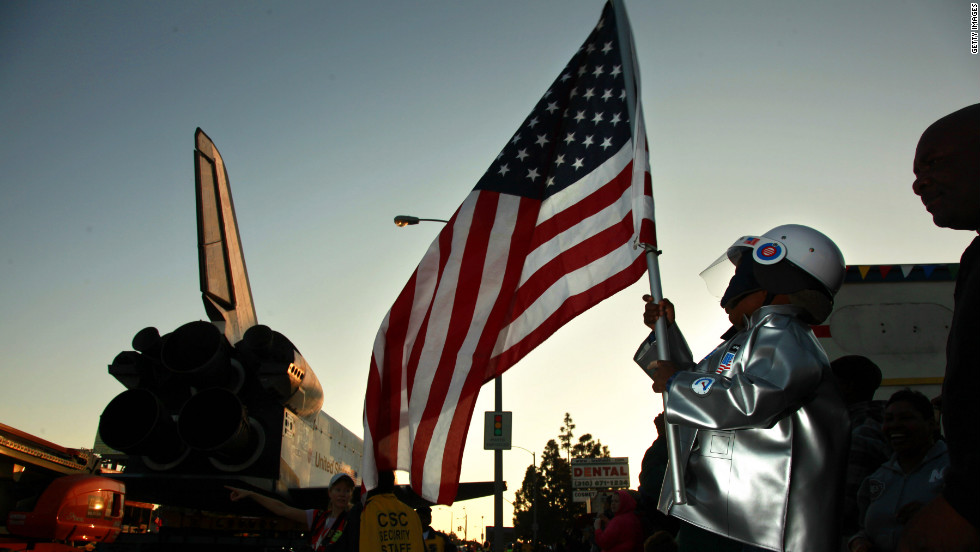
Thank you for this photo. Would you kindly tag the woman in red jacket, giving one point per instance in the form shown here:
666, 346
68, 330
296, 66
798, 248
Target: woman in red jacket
624, 532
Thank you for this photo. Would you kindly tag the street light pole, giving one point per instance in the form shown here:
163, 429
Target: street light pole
534, 499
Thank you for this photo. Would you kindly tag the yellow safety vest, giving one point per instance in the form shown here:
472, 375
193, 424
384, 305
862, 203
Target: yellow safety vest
389, 525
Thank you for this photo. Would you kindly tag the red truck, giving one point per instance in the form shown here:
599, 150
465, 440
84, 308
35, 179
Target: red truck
52, 497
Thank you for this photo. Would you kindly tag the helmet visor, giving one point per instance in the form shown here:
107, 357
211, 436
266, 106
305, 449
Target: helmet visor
721, 277
718, 275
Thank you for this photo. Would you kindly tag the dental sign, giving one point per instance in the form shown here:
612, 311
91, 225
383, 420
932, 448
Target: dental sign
600, 473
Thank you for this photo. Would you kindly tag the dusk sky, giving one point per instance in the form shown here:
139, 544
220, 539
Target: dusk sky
333, 117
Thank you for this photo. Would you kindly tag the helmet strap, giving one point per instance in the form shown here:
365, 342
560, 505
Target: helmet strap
769, 297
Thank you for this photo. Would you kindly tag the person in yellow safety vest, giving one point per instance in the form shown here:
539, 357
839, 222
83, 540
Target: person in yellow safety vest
388, 524
435, 541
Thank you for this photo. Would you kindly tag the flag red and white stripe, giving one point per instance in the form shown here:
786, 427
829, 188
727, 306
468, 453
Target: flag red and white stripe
548, 232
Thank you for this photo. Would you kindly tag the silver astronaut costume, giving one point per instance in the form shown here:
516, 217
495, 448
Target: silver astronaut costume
763, 434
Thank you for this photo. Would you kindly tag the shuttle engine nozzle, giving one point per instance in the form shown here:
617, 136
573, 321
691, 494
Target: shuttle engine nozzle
216, 423
135, 422
201, 354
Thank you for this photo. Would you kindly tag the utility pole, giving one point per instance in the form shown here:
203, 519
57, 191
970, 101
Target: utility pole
498, 477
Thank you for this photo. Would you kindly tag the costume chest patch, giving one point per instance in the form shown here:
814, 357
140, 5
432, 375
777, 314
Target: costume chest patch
728, 359
702, 386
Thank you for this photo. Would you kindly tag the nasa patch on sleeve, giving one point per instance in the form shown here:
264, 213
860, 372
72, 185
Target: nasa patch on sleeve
702, 386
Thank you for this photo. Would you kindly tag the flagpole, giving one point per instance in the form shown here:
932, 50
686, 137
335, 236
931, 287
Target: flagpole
673, 443
632, 80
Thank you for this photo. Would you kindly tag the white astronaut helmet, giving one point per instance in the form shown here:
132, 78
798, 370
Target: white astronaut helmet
790, 259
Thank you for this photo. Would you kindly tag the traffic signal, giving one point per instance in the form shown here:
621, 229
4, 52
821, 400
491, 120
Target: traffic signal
497, 430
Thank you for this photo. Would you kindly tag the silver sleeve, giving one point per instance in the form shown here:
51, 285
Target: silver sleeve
677, 349
781, 368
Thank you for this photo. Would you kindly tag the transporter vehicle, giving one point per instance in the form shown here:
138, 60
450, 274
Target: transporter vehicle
53, 498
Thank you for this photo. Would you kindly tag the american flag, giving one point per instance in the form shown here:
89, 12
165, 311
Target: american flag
550, 230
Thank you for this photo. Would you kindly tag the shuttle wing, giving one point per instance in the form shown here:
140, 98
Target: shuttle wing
224, 280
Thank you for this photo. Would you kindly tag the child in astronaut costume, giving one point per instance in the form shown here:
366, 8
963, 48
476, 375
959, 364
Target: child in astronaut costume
763, 431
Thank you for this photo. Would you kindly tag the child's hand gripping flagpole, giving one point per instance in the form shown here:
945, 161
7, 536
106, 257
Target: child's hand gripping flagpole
673, 445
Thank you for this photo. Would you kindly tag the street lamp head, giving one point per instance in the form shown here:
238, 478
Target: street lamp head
405, 220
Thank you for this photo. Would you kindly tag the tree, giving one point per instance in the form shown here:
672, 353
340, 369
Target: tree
548, 486
565, 435
587, 448
524, 502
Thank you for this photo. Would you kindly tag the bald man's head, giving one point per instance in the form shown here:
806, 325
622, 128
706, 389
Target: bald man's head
947, 170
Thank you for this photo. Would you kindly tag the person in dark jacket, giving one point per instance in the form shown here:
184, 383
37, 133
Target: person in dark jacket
912, 477
947, 179
652, 470
858, 378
